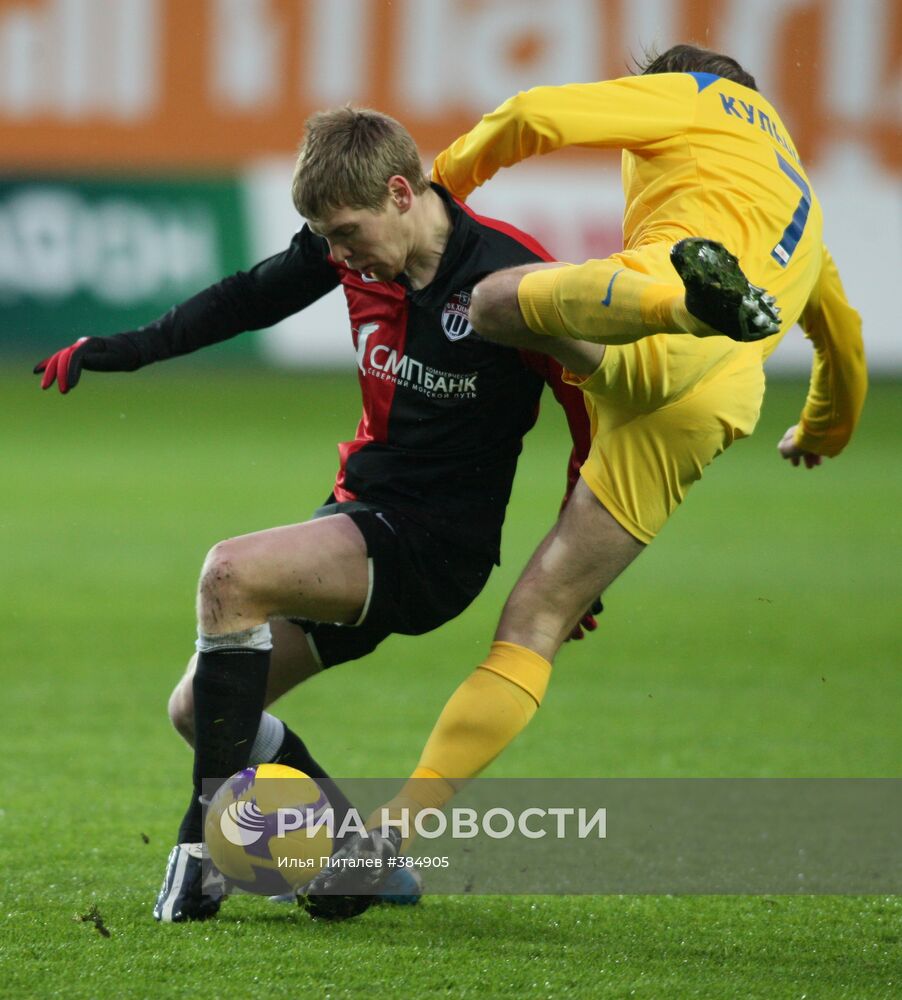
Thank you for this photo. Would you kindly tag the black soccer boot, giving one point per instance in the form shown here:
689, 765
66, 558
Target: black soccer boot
184, 895
355, 874
720, 295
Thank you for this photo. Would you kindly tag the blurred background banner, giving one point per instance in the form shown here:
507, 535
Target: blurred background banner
146, 145
78, 256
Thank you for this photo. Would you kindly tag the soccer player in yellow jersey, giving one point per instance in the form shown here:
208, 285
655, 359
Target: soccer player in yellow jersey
674, 333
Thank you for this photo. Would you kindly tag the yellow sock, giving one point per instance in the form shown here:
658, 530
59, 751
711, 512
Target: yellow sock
664, 310
478, 721
603, 302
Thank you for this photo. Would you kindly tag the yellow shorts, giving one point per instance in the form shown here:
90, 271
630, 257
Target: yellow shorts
661, 408
646, 450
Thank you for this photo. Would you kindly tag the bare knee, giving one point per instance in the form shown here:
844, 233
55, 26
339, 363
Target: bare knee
494, 310
223, 585
181, 708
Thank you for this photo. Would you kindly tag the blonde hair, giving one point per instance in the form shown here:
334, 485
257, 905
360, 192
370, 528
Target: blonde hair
346, 158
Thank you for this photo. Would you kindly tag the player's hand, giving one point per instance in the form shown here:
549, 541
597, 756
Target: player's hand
96, 354
588, 622
790, 450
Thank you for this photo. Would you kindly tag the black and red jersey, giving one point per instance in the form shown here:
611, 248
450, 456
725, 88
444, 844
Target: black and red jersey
444, 411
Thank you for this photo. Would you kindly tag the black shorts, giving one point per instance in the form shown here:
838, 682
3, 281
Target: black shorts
420, 578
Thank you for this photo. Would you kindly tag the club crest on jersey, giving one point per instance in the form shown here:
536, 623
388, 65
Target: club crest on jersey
454, 317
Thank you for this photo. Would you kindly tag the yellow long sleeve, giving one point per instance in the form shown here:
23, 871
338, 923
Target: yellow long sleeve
617, 114
839, 375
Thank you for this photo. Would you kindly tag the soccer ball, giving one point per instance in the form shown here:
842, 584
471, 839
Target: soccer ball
261, 829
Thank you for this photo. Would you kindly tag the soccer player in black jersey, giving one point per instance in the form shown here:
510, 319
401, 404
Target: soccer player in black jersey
411, 531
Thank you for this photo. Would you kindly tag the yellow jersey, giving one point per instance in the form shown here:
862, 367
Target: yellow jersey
702, 156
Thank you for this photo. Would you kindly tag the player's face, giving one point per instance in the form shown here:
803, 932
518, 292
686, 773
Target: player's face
373, 242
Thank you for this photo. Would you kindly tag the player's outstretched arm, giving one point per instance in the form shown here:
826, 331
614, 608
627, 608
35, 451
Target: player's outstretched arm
96, 354
623, 113
248, 300
839, 378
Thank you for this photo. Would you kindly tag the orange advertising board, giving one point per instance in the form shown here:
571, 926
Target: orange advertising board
211, 84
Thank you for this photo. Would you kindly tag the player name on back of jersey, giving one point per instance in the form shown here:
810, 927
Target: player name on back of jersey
752, 115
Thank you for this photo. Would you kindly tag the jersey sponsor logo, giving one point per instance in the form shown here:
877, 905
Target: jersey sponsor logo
454, 317
364, 332
383, 362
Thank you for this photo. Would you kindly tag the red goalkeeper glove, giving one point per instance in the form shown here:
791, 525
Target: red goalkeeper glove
94, 354
587, 623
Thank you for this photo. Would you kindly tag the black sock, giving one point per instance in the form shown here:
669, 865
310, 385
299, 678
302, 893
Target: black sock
229, 692
293, 752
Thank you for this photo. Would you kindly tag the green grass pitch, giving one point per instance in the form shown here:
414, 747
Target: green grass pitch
757, 637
